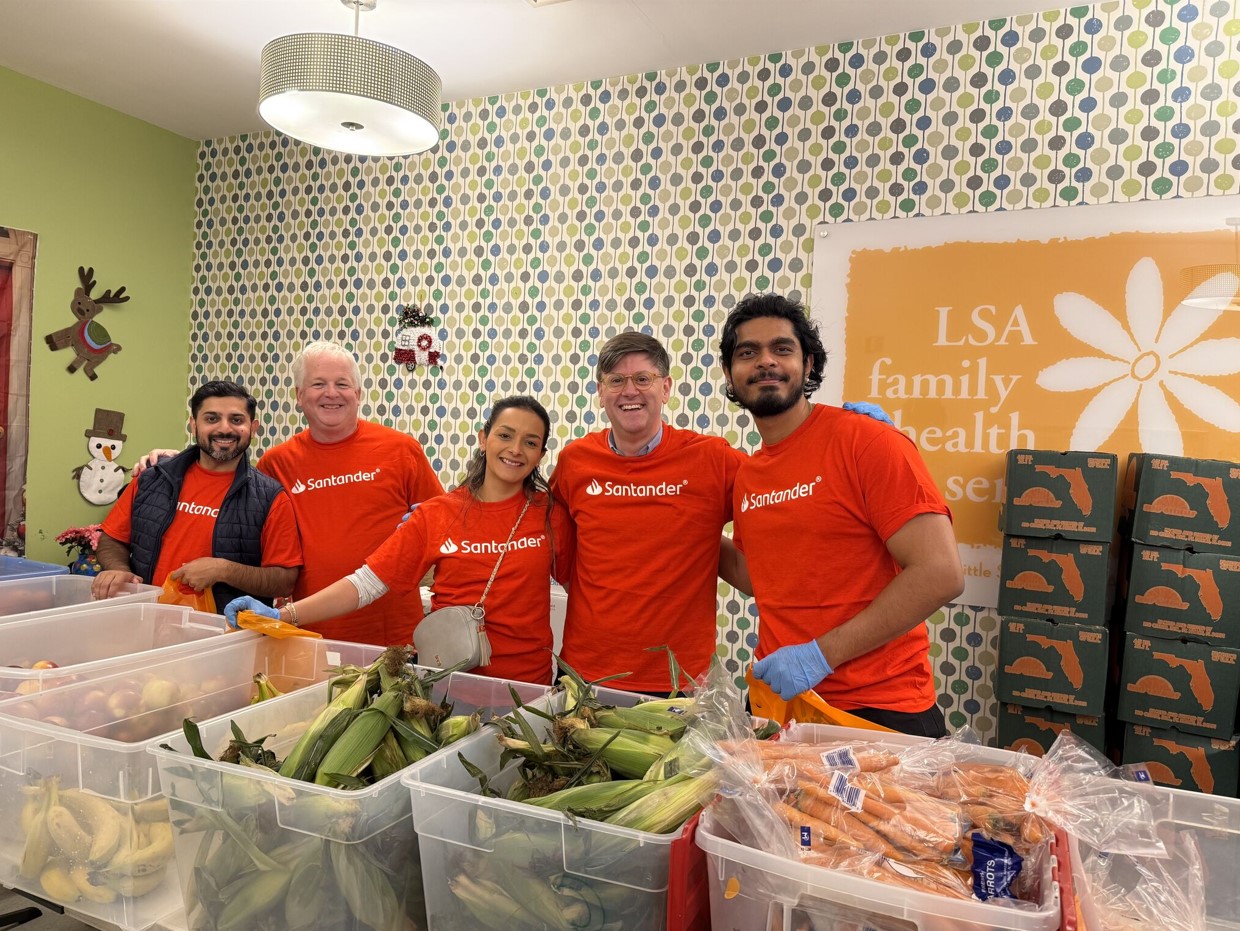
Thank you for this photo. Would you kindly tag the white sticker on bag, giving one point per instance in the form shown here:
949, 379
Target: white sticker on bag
333, 658
849, 795
840, 758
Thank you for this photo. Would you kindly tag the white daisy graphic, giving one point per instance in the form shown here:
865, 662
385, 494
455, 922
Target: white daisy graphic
1144, 361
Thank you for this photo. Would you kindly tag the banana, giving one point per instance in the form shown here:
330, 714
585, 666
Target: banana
58, 884
153, 809
105, 827
147, 859
73, 842
134, 886
103, 895
38, 846
29, 810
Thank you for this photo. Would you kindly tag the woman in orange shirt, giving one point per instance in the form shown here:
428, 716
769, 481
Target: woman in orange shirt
461, 534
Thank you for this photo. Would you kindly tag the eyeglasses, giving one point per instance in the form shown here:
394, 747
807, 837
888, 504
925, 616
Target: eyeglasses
614, 381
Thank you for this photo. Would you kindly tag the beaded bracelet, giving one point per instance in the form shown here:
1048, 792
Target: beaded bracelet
292, 613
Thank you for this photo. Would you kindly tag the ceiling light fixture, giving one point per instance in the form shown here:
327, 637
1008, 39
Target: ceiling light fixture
350, 94
1213, 287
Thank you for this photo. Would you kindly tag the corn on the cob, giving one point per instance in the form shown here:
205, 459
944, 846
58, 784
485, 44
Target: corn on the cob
639, 718
630, 753
456, 727
353, 697
669, 806
389, 758
350, 754
251, 897
489, 903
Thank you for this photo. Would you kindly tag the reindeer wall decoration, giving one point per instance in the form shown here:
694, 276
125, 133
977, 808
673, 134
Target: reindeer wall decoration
87, 338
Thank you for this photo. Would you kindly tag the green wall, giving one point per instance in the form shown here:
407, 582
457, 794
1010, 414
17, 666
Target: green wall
105, 190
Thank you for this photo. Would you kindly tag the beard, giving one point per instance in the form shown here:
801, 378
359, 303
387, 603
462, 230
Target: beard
223, 455
767, 401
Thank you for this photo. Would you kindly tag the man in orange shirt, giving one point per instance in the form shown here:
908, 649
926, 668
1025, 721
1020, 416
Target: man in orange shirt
841, 534
649, 501
204, 517
351, 482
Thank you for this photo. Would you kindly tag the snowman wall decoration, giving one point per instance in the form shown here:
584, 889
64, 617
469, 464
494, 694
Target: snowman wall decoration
416, 342
100, 481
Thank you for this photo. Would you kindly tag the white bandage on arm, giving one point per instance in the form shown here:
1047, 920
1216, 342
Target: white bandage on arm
369, 586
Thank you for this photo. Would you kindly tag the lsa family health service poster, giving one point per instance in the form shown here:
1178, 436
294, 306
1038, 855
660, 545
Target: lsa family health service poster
1067, 328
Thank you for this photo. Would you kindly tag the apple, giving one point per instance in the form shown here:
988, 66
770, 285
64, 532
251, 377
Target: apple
124, 703
43, 664
94, 700
160, 693
29, 687
56, 719
89, 720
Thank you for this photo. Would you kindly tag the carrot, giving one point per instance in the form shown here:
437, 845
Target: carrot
820, 829
859, 832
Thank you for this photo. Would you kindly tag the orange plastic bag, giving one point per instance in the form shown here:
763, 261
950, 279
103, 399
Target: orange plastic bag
807, 708
272, 627
175, 593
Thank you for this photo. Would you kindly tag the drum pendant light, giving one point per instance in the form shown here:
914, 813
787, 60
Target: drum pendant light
350, 94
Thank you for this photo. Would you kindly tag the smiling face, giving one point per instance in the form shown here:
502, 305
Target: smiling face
768, 367
514, 448
104, 448
635, 413
329, 398
222, 429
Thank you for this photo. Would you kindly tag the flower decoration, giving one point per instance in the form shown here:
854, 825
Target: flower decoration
1156, 354
80, 541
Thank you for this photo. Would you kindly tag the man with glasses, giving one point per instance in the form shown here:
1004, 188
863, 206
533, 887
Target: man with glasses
650, 501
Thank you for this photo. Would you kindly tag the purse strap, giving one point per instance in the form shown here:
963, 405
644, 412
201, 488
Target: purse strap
495, 571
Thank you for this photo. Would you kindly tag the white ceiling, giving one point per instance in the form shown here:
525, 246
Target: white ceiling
191, 66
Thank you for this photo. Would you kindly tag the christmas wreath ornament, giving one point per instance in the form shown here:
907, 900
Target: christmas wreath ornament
417, 342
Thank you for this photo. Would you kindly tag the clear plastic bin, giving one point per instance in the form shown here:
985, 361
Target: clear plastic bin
752, 890
47, 595
91, 737
364, 833
19, 567
96, 640
1215, 824
652, 882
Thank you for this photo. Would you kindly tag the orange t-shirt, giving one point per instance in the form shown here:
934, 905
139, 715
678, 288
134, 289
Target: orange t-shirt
813, 514
191, 533
349, 497
462, 538
647, 563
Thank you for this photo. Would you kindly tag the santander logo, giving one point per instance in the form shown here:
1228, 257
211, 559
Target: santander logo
448, 547
635, 489
800, 490
594, 488
331, 481
298, 487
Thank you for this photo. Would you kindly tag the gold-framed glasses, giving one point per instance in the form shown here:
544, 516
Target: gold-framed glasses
642, 381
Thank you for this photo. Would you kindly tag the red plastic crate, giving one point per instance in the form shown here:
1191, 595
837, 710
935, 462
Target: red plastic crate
688, 885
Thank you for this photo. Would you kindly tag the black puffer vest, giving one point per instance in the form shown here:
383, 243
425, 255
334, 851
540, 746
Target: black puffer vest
238, 534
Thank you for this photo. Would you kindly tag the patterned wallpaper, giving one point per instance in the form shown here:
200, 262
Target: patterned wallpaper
550, 219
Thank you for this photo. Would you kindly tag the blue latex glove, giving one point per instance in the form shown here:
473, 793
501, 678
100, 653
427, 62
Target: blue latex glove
792, 670
406, 515
246, 603
873, 411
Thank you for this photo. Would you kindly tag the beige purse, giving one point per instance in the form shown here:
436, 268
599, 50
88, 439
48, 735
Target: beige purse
457, 635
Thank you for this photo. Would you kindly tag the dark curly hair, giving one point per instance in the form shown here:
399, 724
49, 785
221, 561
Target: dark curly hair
775, 305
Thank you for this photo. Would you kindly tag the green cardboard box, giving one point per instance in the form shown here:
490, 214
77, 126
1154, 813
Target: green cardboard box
1068, 494
1181, 502
1033, 730
1178, 594
1170, 683
1184, 761
1065, 580
1059, 666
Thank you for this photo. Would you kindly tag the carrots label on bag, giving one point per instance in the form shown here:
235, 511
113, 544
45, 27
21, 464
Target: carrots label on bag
995, 868
840, 758
849, 795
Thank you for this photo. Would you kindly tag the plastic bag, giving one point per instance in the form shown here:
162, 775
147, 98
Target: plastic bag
1081, 791
272, 627
809, 708
852, 804
1118, 892
176, 593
